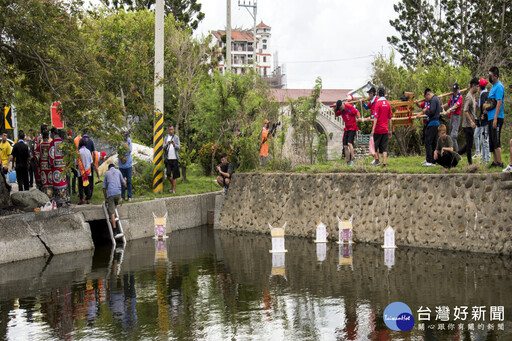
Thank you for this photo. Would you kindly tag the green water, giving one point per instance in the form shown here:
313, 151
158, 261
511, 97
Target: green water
210, 285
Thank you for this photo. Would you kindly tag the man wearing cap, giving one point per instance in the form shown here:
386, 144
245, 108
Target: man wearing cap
382, 126
348, 112
454, 111
371, 106
482, 131
495, 115
112, 184
264, 144
433, 112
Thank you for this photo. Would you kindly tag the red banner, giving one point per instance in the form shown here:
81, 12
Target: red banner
56, 118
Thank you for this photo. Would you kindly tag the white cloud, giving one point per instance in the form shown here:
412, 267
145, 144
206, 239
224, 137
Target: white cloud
316, 30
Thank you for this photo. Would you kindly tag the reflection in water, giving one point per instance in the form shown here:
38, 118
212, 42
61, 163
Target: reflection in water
201, 284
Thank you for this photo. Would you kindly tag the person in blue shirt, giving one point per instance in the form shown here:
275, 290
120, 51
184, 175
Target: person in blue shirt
125, 166
495, 115
112, 184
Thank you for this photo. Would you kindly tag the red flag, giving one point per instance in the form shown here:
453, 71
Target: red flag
56, 118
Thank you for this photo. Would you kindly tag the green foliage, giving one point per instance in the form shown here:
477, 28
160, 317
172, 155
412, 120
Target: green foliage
142, 178
204, 156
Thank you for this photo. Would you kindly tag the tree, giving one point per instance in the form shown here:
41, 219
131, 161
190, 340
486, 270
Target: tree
186, 12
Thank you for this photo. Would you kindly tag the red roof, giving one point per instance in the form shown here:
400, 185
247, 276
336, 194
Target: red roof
235, 35
327, 96
262, 25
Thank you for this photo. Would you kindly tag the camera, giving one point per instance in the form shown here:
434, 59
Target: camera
273, 127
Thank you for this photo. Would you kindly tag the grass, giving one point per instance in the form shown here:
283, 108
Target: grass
398, 165
196, 184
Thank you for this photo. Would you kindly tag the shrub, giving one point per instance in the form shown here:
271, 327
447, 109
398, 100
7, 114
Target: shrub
204, 156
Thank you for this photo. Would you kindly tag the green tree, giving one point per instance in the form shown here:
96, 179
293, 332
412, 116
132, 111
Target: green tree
186, 12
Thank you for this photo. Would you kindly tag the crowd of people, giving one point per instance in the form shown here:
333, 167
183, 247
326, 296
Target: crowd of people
40, 161
482, 122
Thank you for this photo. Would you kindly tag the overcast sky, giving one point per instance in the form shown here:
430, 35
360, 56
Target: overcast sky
316, 30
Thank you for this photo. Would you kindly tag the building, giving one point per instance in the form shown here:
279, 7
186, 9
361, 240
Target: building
245, 53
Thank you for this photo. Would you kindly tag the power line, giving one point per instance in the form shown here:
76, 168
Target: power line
328, 60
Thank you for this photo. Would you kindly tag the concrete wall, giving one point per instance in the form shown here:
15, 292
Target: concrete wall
22, 236
467, 212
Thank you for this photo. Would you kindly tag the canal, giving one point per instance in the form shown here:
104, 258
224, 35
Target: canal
202, 284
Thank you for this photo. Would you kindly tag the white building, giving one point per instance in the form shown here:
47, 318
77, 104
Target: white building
244, 54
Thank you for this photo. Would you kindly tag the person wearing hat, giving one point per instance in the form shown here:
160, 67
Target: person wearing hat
371, 106
454, 107
348, 112
381, 127
265, 137
482, 132
112, 186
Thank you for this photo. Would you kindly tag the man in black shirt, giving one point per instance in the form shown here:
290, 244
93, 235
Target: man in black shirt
433, 113
21, 161
225, 170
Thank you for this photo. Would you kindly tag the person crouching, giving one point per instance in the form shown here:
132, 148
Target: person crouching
444, 154
225, 170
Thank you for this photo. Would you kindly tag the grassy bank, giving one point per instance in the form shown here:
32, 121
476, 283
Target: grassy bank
196, 184
398, 165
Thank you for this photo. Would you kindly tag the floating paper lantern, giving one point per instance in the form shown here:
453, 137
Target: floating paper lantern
345, 233
277, 234
160, 226
389, 238
321, 233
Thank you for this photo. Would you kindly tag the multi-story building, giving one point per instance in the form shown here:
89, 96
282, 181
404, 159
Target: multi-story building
245, 53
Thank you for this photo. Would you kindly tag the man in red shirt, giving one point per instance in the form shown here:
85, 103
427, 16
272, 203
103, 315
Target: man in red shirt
382, 126
372, 104
348, 112
454, 112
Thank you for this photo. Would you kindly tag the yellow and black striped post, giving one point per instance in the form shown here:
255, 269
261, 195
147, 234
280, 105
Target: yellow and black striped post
158, 151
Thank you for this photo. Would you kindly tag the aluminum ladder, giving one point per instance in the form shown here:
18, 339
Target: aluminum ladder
119, 236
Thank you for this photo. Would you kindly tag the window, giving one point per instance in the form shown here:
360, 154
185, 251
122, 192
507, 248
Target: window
264, 47
264, 59
265, 41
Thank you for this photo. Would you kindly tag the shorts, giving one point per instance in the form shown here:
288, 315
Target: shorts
381, 142
495, 135
348, 137
173, 168
113, 201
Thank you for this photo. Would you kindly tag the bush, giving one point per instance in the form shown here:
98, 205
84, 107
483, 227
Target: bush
204, 156
142, 177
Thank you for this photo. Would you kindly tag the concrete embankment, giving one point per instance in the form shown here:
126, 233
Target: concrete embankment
25, 236
467, 212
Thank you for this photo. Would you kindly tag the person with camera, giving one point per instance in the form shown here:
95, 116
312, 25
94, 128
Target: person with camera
495, 115
469, 119
482, 131
225, 170
172, 157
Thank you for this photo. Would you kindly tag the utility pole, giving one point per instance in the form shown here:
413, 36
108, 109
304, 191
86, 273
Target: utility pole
158, 123
228, 36
254, 5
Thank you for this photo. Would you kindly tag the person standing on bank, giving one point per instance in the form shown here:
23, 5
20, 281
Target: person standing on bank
125, 166
85, 179
469, 119
349, 113
21, 162
372, 97
5, 153
482, 129
172, 157
89, 144
495, 115
113, 184
381, 126
454, 111
265, 138
433, 112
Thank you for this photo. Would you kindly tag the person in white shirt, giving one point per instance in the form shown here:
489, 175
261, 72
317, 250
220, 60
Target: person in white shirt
172, 157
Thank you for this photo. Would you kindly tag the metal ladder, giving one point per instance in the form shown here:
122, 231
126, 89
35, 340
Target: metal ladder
119, 236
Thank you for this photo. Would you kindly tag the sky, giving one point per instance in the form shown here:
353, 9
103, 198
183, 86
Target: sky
332, 39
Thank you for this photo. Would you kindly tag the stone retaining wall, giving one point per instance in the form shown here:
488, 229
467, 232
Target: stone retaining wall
469, 212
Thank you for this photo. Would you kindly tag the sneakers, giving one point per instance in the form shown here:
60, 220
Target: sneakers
225, 188
476, 156
428, 164
351, 163
81, 202
117, 233
376, 162
508, 169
